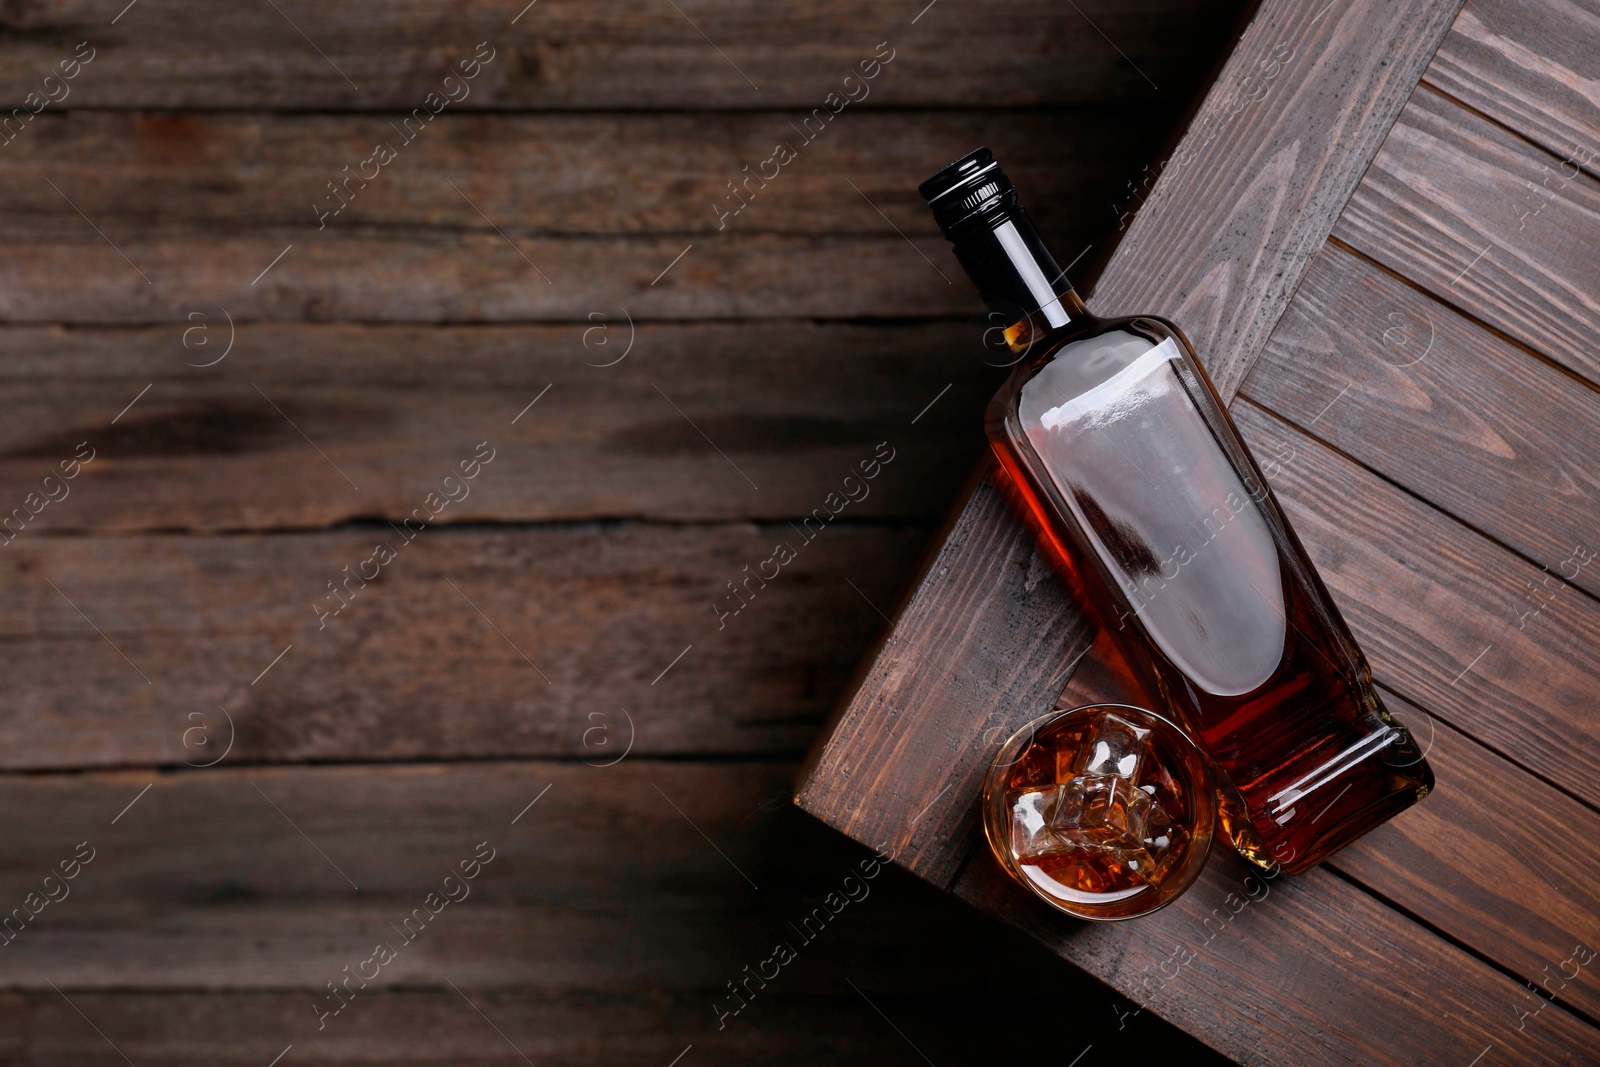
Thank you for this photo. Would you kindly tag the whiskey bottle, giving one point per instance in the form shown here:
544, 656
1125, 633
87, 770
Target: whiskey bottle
1118, 452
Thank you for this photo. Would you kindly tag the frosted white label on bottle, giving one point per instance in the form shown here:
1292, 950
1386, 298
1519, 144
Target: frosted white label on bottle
1173, 522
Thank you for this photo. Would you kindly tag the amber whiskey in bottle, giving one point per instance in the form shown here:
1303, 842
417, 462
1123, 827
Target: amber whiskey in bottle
1116, 449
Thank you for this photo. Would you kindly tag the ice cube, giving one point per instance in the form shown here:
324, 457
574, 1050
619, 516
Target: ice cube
1103, 811
1162, 845
1109, 815
1090, 814
1114, 746
1159, 831
1031, 812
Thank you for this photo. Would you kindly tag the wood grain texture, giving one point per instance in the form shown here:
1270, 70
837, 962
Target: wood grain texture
601, 886
554, 174
389, 275
604, 934
949, 684
605, 928
1498, 861
1350, 71
471, 643
1304, 970
795, 406
237, 1029
1530, 65
1464, 419
1448, 204
416, 1027
1495, 859
1437, 610
614, 54
1264, 169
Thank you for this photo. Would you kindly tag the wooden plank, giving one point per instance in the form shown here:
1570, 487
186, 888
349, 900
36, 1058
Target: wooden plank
1498, 860
1427, 600
604, 926
1295, 152
796, 406
1304, 970
1530, 65
1466, 420
414, 275
553, 174
614, 54
1464, 861
231, 1029
1419, 590
208, 203
1264, 170
554, 641
601, 886
234, 1029
1435, 607
906, 758
1447, 204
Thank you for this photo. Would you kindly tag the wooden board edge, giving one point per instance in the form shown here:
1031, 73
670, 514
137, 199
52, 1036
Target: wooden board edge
1124, 264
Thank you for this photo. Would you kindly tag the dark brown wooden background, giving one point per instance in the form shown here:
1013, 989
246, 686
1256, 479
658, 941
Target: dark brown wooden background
1388, 260
517, 245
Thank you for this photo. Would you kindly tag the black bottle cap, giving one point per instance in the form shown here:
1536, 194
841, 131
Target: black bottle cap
976, 207
970, 186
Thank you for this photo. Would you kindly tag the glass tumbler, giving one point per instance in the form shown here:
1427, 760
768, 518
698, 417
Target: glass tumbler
1105, 811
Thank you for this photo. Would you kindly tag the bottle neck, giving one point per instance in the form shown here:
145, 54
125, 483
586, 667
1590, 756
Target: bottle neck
1015, 273
1067, 307
976, 208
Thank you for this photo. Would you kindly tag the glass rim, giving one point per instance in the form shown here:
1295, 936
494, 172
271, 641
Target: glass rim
1033, 726
1200, 779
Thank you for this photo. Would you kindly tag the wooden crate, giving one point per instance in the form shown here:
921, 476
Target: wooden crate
1379, 230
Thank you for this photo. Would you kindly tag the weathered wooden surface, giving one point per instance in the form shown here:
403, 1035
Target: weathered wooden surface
578, 894
373, 356
1410, 569
1529, 66
1538, 902
1529, 914
1440, 475
794, 406
1448, 203
458, 277
561, 630
632, 173
1541, 899
614, 54
1436, 608
412, 1026
1466, 420
914, 738
232, 1029
1344, 977
603, 901
470, 226
1233, 217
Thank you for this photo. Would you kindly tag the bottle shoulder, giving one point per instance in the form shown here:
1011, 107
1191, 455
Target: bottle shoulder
1152, 327
1103, 345
1096, 339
